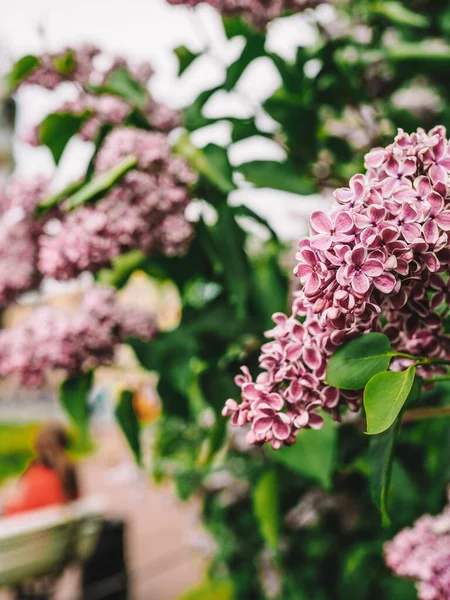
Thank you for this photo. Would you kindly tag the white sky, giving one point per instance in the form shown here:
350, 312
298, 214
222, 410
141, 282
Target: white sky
150, 29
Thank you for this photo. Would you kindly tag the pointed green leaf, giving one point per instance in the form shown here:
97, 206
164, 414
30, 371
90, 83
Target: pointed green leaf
254, 48
314, 453
384, 397
225, 241
245, 128
399, 14
58, 197
74, 395
21, 69
57, 129
185, 58
64, 64
100, 184
120, 83
266, 507
351, 367
129, 423
381, 453
193, 117
234, 26
278, 176
211, 162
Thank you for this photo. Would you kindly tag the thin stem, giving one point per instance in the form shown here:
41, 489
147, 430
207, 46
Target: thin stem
438, 378
52, 201
101, 183
421, 360
405, 355
417, 414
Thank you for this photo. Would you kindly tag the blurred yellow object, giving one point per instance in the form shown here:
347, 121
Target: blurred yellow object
160, 299
146, 404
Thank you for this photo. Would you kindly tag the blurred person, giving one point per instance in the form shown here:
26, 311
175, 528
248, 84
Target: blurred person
50, 479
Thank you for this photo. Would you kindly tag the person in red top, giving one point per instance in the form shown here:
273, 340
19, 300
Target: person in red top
50, 479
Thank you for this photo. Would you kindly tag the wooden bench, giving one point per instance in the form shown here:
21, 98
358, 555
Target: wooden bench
44, 542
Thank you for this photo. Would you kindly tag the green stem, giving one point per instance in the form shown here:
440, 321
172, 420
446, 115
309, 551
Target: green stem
49, 203
404, 355
100, 184
417, 414
437, 379
420, 360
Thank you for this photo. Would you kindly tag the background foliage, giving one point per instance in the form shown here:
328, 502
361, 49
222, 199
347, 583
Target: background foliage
281, 520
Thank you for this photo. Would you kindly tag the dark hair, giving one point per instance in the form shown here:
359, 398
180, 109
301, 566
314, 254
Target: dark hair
51, 445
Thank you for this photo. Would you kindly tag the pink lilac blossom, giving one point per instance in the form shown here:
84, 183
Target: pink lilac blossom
19, 237
422, 553
49, 75
75, 342
99, 109
382, 252
83, 67
258, 12
145, 210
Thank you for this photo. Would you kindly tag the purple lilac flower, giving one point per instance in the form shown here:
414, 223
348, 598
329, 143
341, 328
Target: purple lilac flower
49, 76
145, 210
258, 12
51, 339
422, 553
101, 109
384, 250
19, 237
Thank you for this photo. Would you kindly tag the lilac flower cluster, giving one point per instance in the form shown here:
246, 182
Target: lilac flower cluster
145, 210
53, 339
422, 553
258, 12
382, 252
85, 70
19, 237
70, 64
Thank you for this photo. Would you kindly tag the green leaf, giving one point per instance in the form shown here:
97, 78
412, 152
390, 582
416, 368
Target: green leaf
170, 355
216, 386
211, 161
57, 129
426, 53
64, 64
298, 116
225, 241
351, 367
384, 397
101, 183
381, 454
267, 274
254, 48
245, 128
74, 396
266, 507
56, 198
398, 13
234, 26
21, 69
278, 176
314, 453
185, 58
193, 117
120, 83
244, 211
129, 423
210, 589
122, 267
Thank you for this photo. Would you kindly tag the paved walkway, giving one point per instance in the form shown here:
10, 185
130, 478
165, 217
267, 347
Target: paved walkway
161, 559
